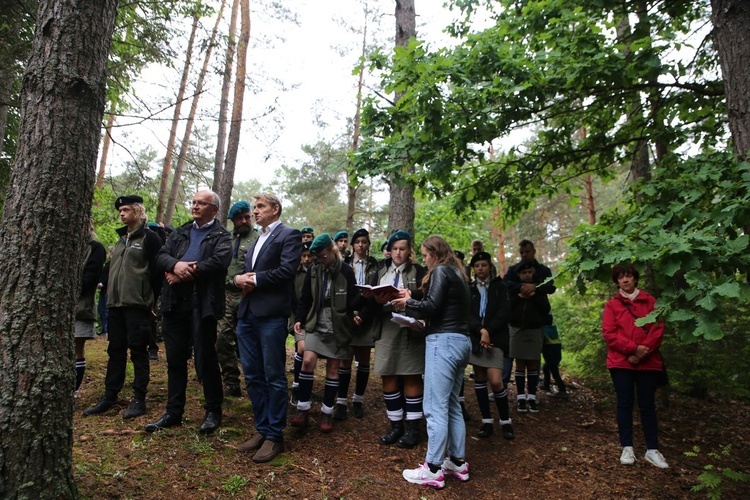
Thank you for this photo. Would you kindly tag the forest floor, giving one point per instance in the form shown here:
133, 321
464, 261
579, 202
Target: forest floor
567, 450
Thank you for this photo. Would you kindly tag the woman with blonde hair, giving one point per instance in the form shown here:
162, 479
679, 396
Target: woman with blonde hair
445, 310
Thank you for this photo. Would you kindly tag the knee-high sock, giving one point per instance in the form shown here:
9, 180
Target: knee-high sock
329, 395
80, 371
305, 390
297, 368
363, 375
394, 406
483, 399
501, 401
521, 384
533, 378
414, 407
345, 378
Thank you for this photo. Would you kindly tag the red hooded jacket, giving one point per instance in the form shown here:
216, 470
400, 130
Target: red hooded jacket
622, 336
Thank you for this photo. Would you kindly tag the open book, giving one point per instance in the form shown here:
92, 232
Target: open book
389, 289
406, 321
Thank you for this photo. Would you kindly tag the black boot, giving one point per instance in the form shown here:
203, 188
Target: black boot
396, 431
412, 436
485, 431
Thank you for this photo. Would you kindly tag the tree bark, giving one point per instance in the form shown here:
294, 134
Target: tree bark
43, 234
226, 85
401, 215
352, 181
233, 142
731, 19
498, 235
167, 168
588, 185
106, 141
191, 119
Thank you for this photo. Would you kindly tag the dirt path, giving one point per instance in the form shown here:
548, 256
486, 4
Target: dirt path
567, 450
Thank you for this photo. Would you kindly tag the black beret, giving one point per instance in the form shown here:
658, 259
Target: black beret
127, 200
358, 234
524, 265
481, 256
306, 246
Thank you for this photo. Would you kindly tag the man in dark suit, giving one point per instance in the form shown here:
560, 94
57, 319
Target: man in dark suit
267, 285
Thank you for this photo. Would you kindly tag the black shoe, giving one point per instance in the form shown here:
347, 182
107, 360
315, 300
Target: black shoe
533, 408
522, 406
153, 354
357, 410
339, 412
233, 391
561, 395
395, 432
211, 422
167, 420
508, 431
103, 405
467, 417
412, 436
486, 430
136, 408
294, 398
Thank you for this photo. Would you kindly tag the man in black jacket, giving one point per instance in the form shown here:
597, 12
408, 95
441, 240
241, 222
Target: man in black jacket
195, 260
132, 287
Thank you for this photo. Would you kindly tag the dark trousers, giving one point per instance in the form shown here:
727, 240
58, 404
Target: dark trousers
129, 328
632, 385
178, 341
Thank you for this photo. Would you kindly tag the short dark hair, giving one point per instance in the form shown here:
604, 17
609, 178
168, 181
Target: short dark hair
624, 270
526, 243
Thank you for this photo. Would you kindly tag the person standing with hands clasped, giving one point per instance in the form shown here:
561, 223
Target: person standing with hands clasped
445, 307
634, 362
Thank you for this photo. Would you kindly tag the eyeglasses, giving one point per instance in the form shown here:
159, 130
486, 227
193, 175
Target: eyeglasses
201, 203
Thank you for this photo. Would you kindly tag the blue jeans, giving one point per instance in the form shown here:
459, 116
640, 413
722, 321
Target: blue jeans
262, 343
446, 357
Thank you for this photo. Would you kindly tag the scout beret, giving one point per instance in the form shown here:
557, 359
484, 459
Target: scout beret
321, 242
128, 199
358, 234
481, 256
340, 234
397, 236
238, 208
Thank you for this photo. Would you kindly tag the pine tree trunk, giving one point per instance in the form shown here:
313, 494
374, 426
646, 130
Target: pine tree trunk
731, 19
43, 235
167, 168
233, 142
226, 85
352, 180
169, 212
498, 235
588, 185
401, 215
106, 141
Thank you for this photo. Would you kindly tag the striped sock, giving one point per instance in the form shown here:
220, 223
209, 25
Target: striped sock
305, 390
345, 378
393, 406
80, 371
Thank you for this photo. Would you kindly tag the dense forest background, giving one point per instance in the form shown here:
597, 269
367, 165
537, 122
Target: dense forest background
604, 131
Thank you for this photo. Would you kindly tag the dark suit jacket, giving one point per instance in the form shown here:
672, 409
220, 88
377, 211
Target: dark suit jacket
274, 270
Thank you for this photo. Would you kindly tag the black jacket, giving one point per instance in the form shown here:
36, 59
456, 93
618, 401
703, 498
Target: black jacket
532, 312
216, 254
92, 268
495, 317
446, 302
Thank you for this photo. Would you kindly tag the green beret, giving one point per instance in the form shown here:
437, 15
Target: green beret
307, 230
321, 242
397, 236
341, 234
238, 208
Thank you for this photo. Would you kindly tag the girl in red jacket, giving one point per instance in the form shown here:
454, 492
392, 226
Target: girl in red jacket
634, 361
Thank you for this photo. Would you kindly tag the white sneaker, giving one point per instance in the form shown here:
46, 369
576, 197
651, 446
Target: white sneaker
424, 476
450, 469
628, 456
656, 459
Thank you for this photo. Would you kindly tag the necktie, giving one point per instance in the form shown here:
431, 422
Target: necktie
482, 298
395, 281
361, 276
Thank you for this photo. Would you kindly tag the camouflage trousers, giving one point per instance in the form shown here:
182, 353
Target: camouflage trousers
226, 342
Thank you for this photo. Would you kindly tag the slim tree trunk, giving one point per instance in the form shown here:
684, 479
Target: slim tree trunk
731, 19
106, 141
191, 119
352, 180
588, 185
401, 215
233, 142
167, 168
43, 235
498, 235
226, 85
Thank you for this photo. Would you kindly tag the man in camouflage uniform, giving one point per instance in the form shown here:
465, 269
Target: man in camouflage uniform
243, 235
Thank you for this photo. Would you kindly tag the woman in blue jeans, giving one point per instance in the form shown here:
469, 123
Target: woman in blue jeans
445, 311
